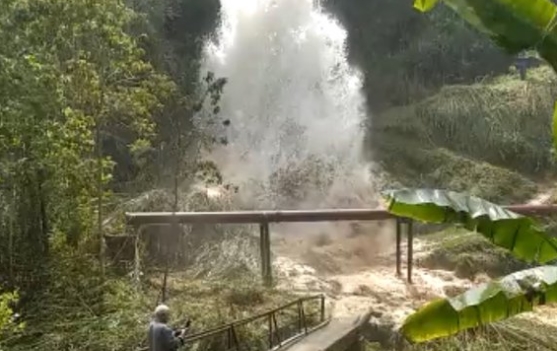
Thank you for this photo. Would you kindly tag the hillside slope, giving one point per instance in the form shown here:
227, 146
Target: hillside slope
492, 138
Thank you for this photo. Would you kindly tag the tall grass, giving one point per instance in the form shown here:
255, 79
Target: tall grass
506, 122
487, 139
114, 316
513, 335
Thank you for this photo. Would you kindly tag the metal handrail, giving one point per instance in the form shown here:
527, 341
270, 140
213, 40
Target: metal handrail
274, 336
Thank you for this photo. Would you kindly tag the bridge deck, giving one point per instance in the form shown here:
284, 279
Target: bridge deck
339, 335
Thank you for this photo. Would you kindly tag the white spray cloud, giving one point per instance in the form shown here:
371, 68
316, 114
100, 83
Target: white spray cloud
295, 105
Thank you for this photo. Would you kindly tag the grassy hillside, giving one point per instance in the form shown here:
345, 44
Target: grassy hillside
490, 138
75, 324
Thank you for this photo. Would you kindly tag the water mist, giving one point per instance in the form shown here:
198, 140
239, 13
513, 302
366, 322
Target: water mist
295, 106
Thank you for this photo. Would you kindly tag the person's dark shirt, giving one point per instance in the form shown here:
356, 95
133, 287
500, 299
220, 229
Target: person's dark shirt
161, 338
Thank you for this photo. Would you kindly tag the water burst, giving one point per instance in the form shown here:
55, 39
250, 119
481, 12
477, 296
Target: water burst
295, 105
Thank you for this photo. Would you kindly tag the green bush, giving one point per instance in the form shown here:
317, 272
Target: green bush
468, 254
7, 324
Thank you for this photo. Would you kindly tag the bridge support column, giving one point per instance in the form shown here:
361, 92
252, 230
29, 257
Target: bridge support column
138, 231
398, 249
410, 256
410, 248
265, 247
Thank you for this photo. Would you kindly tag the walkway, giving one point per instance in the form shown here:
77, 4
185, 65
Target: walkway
298, 326
339, 335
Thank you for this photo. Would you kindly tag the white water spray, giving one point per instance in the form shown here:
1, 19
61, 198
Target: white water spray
295, 106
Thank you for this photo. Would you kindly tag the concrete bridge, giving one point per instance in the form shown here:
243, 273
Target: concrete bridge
343, 334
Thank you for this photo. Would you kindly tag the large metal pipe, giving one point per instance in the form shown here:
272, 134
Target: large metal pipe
142, 218
137, 219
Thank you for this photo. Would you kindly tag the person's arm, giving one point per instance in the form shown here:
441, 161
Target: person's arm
172, 342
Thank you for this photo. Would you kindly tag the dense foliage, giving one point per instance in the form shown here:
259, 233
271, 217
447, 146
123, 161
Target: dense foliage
490, 302
65, 89
84, 96
515, 26
518, 234
406, 56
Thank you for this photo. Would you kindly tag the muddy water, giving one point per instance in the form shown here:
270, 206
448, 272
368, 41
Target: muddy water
354, 284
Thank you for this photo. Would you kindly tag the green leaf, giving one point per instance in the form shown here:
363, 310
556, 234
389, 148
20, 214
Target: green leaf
515, 25
504, 228
555, 127
495, 301
6, 313
425, 5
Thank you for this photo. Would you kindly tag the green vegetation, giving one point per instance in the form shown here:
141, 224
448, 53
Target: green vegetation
441, 118
516, 293
468, 254
505, 121
495, 301
406, 56
64, 90
64, 325
518, 234
97, 102
515, 26
515, 334
471, 256
86, 105
415, 165
7, 322
489, 139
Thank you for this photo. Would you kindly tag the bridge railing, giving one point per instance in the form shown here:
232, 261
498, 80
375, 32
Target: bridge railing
266, 331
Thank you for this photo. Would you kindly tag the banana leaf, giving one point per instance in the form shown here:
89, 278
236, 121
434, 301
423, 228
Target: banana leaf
515, 25
495, 301
555, 127
425, 5
506, 229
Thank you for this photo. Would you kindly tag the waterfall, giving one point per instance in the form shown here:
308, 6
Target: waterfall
295, 105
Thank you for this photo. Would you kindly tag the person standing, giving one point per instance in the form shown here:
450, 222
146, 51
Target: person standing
161, 337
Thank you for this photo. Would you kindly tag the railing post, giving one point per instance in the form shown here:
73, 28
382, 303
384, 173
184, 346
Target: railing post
275, 323
138, 231
300, 307
235, 337
229, 337
265, 247
270, 331
322, 308
398, 249
410, 249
